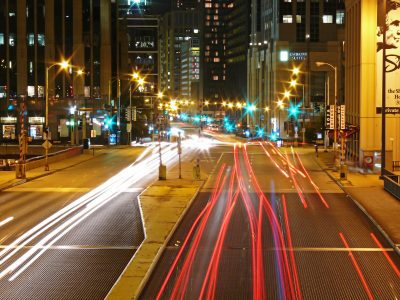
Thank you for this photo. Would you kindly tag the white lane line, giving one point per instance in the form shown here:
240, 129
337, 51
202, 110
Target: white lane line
5, 221
81, 247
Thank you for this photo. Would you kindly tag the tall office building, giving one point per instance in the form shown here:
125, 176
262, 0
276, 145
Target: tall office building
34, 35
364, 83
237, 27
213, 59
178, 27
294, 34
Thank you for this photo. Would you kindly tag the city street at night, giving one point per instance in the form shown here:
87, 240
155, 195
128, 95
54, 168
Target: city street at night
200, 149
274, 226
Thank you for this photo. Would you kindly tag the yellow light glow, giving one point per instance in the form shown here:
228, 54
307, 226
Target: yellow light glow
230, 105
286, 94
141, 81
239, 105
267, 108
64, 64
80, 72
296, 71
135, 75
293, 83
147, 100
206, 103
223, 103
160, 95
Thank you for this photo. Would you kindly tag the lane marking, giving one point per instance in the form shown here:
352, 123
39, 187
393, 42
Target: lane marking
5, 221
357, 267
311, 249
51, 190
66, 190
78, 247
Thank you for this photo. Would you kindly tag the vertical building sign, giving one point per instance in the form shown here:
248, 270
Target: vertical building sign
330, 117
391, 25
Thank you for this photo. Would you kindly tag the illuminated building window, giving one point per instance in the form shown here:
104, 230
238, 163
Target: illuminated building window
287, 19
327, 19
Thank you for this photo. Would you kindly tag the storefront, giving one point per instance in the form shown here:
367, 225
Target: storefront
8, 127
36, 127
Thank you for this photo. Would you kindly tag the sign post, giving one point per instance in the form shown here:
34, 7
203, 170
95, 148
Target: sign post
179, 154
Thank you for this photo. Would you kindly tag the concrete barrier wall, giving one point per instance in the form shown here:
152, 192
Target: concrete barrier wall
54, 157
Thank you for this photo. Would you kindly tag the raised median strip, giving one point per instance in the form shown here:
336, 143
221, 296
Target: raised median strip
163, 205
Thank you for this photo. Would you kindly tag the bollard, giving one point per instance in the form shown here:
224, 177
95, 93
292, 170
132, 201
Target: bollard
20, 171
162, 172
196, 170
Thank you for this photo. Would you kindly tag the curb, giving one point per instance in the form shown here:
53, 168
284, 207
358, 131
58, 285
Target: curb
162, 248
22, 181
362, 208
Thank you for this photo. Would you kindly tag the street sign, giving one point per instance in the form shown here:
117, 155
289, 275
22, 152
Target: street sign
342, 117
330, 119
47, 145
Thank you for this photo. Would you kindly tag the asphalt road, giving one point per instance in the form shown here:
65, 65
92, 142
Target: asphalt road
73, 232
274, 226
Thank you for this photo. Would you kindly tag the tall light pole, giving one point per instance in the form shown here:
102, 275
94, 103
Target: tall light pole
64, 65
319, 64
140, 82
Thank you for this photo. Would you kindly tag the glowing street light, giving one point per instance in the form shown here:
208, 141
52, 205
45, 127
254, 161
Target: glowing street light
267, 109
63, 65
296, 71
293, 83
286, 94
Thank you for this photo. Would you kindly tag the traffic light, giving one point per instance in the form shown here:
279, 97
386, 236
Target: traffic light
294, 111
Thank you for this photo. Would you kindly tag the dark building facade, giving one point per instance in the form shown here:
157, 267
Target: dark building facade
213, 43
237, 27
289, 35
38, 34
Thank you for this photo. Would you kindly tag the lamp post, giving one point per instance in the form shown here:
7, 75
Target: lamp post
140, 82
319, 64
280, 107
64, 65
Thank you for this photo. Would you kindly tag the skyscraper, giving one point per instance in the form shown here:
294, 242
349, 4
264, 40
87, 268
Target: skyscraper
294, 34
34, 35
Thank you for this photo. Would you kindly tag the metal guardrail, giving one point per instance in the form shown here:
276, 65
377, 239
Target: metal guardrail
391, 183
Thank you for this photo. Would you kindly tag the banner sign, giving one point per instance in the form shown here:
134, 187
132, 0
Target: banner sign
388, 22
330, 119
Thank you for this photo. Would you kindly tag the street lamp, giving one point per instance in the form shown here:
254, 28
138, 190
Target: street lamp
281, 106
63, 65
140, 82
319, 64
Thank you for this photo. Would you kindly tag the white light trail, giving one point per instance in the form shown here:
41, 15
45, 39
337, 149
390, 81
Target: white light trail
83, 207
5, 221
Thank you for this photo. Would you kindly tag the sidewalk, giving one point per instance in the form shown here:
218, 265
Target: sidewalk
368, 192
163, 205
8, 179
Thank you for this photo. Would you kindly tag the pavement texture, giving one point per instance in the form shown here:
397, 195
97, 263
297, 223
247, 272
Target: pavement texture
163, 204
8, 178
368, 192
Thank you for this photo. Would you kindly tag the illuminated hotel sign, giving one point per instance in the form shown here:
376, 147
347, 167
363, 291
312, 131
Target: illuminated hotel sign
285, 55
297, 55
